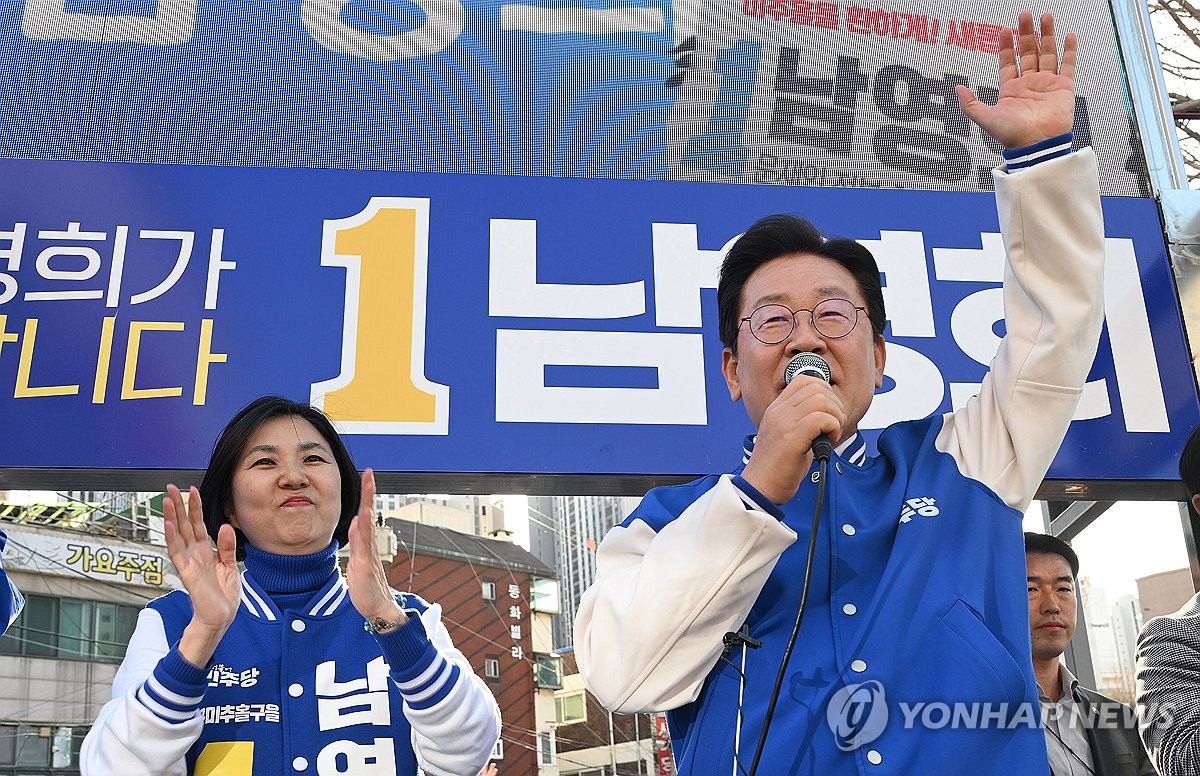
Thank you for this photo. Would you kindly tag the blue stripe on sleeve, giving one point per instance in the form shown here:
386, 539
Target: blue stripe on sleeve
437, 689
175, 690
1051, 148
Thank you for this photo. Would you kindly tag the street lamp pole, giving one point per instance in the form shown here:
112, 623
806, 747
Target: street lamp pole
612, 745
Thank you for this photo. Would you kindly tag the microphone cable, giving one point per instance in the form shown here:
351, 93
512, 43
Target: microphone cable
822, 470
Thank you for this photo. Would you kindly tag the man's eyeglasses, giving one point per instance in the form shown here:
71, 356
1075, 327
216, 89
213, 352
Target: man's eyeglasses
832, 318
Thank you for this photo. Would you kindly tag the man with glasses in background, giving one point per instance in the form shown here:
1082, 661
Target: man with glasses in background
910, 585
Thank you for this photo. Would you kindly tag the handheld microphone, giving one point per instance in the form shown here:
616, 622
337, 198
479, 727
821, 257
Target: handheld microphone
811, 365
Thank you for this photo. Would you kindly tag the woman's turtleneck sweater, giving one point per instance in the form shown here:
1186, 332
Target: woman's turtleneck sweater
292, 581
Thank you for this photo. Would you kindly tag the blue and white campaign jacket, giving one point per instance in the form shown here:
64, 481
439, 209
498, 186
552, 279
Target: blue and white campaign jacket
297, 685
11, 600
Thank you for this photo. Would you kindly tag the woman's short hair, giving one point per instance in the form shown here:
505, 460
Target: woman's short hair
216, 487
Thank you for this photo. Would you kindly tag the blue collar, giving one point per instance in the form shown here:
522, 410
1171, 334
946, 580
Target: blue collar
267, 575
853, 450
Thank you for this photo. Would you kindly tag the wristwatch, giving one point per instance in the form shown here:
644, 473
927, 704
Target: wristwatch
380, 625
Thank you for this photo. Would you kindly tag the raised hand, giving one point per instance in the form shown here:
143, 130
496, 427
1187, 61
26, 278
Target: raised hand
1037, 91
211, 578
369, 589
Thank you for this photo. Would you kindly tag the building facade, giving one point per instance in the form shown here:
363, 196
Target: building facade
1164, 592
497, 603
84, 585
578, 524
593, 741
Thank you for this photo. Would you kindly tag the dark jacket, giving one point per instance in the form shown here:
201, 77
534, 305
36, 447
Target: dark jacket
1113, 736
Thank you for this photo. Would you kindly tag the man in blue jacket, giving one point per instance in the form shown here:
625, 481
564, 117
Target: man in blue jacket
913, 656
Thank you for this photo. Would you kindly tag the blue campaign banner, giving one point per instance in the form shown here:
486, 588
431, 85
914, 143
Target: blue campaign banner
468, 323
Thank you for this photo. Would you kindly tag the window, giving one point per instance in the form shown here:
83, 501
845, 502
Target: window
491, 668
543, 595
570, 707
39, 618
546, 750
70, 628
8, 744
33, 746
547, 671
489, 591
40, 749
76, 634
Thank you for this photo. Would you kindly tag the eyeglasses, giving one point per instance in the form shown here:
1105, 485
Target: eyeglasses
832, 318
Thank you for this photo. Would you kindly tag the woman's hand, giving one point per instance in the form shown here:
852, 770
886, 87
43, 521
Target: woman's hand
211, 578
369, 589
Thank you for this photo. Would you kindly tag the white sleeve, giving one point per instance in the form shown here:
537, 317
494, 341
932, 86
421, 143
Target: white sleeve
455, 720
129, 738
650, 628
1007, 436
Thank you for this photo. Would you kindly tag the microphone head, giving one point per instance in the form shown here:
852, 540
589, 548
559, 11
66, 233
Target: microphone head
808, 364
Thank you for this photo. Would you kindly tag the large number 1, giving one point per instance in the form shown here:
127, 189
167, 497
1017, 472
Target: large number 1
382, 388
225, 758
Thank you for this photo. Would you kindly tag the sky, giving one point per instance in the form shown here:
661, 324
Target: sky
1132, 539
